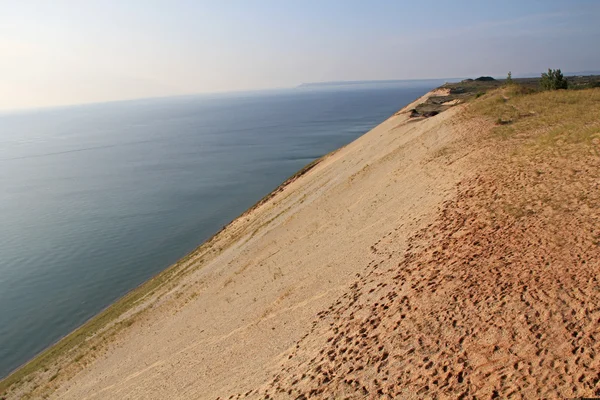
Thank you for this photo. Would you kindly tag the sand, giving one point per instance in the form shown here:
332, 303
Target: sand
498, 297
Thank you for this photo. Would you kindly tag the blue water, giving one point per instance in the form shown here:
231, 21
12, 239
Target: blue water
96, 199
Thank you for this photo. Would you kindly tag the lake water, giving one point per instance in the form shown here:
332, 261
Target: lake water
95, 199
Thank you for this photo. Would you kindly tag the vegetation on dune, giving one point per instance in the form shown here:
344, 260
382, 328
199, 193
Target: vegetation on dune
546, 118
553, 80
485, 79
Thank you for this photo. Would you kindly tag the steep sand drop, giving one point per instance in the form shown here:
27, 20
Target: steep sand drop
223, 324
499, 297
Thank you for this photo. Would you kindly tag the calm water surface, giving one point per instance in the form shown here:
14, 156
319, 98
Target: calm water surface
96, 199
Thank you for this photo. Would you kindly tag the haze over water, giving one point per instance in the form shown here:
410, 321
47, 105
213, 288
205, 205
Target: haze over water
96, 199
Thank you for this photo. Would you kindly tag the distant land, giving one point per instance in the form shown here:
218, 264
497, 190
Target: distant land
393, 81
565, 73
373, 82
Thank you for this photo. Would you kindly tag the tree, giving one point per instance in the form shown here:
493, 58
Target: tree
553, 80
509, 80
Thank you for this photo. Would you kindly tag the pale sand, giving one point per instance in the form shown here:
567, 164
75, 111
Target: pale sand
227, 323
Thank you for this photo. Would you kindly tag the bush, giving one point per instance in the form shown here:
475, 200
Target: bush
593, 84
509, 80
485, 79
553, 80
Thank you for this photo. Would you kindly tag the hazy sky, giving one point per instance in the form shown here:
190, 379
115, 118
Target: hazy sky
66, 52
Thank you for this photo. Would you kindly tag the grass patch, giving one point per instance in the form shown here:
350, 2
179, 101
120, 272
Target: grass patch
550, 149
550, 118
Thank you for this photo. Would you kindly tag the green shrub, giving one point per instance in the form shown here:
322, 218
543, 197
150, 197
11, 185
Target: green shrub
553, 80
509, 80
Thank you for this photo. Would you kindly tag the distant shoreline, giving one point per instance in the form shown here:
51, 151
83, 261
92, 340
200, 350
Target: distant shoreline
373, 82
455, 79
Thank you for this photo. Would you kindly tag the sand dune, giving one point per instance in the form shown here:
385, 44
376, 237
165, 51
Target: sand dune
422, 260
498, 297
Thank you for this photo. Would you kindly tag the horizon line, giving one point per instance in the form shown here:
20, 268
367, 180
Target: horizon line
8, 111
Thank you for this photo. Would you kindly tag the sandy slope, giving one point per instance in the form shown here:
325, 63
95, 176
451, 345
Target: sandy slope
242, 305
499, 297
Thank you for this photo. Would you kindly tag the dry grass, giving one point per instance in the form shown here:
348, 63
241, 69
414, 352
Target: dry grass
546, 119
553, 143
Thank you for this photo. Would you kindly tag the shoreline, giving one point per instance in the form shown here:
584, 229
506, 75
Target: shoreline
104, 319
141, 290
156, 248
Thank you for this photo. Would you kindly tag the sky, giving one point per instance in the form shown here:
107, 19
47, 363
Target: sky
59, 52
